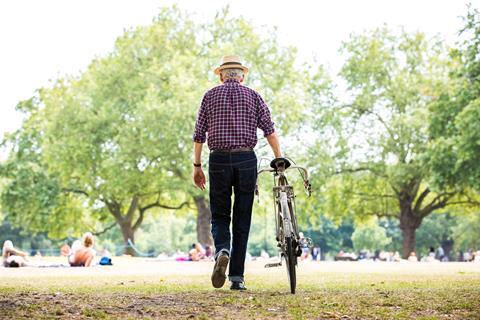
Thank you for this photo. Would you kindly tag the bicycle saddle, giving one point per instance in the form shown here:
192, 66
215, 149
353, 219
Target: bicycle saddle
279, 162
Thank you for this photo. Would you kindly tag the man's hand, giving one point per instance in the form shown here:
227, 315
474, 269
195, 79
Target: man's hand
199, 178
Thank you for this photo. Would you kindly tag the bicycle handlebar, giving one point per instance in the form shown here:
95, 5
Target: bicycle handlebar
306, 183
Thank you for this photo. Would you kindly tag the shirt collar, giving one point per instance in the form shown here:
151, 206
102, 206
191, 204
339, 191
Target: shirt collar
230, 81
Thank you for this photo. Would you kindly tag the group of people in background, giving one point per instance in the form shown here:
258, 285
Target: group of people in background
440, 256
433, 255
196, 253
81, 254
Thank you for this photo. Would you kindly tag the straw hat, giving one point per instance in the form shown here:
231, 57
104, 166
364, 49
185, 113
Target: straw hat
231, 62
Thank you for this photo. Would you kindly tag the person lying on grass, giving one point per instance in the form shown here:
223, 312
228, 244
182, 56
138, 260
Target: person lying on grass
82, 253
12, 257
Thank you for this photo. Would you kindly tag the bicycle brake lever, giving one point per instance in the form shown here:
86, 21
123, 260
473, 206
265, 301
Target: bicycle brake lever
308, 187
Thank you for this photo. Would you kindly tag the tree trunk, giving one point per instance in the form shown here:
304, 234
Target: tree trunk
128, 233
409, 223
125, 221
408, 244
447, 246
204, 217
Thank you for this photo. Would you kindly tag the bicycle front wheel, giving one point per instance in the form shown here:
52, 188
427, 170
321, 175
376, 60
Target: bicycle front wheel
291, 263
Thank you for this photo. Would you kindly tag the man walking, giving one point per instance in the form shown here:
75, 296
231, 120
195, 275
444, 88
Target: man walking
230, 114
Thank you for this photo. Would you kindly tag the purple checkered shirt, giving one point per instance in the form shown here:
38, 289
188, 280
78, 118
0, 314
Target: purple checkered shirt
231, 113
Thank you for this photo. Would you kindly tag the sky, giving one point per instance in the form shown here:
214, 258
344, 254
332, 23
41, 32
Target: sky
43, 40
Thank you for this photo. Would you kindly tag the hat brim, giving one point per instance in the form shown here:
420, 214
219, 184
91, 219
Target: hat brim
217, 71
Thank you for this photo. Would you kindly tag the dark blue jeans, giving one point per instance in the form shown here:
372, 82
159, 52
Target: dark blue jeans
237, 171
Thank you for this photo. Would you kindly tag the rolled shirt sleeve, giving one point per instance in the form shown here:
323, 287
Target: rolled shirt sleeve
201, 126
264, 120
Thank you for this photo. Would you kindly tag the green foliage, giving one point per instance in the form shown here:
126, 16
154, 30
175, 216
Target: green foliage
28, 242
381, 132
170, 234
467, 232
376, 139
262, 231
115, 142
370, 236
392, 231
455, 124
436, 229
329, 235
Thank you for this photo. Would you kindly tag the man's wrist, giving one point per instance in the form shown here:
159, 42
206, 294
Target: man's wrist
197, 164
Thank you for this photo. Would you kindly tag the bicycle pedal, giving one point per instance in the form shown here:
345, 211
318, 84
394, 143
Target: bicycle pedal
272, 265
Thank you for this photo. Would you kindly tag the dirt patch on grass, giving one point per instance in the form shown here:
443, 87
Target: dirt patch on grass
225, 304
103, 306
133, 289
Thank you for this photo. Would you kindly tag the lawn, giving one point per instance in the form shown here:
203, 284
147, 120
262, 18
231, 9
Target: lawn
137, 288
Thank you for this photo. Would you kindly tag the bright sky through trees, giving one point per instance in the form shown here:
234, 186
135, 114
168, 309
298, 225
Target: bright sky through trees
42, 40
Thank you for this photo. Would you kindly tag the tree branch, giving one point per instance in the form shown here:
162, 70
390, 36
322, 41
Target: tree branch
352, 170
114, 209
473, 203
71, 190
139, 220
420, 199
440, 201
132, 207
469, 201
384, 123
390, 131
159, 205
373, 195
97, 233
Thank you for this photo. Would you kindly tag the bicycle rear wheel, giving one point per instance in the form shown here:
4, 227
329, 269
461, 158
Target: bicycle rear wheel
291, 263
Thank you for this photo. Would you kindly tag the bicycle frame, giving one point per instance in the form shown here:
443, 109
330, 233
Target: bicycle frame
287, 235
285, 218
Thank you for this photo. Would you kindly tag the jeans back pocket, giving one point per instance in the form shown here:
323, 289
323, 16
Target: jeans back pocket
247, 179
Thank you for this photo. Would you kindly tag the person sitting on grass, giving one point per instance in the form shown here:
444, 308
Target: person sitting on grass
413, 257
12, 257
197, 252
82, 253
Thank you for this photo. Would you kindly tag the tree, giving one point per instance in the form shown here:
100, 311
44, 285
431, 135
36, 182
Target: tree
116, 140
466, 232
105, 135
380, 134
455, 125
437, 230
329, 236
370, 236
31, 197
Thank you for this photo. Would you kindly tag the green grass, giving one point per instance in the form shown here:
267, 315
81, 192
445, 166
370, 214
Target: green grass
321, 295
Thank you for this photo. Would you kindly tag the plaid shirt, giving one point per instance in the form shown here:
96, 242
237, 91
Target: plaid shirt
231, 113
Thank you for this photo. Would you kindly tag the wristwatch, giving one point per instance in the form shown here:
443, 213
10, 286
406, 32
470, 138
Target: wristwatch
197, 164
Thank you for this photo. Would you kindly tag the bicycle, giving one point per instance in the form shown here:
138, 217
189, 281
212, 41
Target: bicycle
287, 234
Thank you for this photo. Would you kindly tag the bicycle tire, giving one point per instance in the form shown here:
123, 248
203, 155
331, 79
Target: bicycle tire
291, 263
